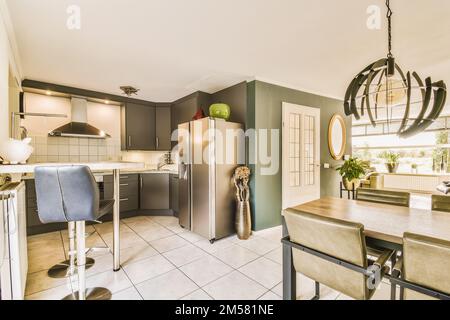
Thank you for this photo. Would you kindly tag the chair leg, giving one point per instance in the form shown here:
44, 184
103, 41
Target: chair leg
317, 296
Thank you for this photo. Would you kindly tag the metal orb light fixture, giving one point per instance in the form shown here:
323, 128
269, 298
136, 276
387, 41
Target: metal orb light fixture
382, 88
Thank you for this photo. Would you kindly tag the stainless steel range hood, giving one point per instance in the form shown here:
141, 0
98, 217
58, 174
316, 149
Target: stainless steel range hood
79, 127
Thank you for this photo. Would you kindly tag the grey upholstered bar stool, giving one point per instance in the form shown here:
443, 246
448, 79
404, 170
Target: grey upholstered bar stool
70, 194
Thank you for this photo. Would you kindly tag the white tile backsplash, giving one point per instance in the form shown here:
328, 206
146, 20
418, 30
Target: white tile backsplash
74, 150
52, 150
84, 150
59, 149
63, 149
93, 150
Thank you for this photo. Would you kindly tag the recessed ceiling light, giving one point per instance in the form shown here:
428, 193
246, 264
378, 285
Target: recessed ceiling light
106, 101
48, 92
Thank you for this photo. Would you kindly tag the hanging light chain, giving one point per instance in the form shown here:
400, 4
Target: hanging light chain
389, 17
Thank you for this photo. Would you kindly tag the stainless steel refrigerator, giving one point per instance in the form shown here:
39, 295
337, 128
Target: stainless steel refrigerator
209, 152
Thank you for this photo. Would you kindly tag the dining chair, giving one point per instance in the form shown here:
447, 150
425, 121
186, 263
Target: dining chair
422, 272
396, 198
333, 252
440, 203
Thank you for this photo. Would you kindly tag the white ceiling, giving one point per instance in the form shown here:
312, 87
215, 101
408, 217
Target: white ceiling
170, 48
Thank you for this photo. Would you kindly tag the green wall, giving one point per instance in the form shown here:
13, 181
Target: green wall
264, 111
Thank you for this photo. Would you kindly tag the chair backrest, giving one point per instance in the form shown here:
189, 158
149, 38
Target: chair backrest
395, 198
336, 238
425, 262
66, 194
440, 203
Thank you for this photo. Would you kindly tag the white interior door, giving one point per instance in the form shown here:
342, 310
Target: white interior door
301, 154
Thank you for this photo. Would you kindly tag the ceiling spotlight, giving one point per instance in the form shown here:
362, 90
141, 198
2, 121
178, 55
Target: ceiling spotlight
48, 92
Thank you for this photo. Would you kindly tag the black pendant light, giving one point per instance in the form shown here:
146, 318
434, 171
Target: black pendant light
383, 85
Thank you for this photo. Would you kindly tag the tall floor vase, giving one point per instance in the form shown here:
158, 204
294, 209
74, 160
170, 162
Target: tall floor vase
243, 220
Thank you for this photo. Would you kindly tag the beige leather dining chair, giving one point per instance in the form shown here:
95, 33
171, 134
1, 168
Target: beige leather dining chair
395, 198
440, 203
424, 263
339, 239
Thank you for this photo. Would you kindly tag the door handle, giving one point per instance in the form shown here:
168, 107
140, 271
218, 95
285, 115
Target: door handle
125, 199
157, 143
129, 141
141, 180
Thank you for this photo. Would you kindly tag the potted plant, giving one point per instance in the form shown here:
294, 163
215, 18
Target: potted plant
390, 160
351, 171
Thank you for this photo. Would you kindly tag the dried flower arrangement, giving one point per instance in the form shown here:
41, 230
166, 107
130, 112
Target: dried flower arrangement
241, 179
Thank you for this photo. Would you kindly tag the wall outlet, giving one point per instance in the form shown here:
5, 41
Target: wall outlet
326, 166
347, 157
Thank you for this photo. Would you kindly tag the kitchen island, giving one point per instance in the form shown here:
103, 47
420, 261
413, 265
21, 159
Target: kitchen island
17, 171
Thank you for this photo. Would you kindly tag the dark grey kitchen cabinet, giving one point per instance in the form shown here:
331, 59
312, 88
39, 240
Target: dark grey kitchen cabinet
129, 191
183, 110
174, 194
155, 191
138, 127
34, 224
162, 129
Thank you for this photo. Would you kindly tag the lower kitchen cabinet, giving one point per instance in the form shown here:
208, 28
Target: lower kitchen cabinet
174, 194
155, 192
129, 191
34, 224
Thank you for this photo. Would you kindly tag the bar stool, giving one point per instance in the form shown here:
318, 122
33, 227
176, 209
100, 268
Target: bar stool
70, 194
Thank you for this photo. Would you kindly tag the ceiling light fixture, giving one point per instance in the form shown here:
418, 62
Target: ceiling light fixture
129, 90
386, 83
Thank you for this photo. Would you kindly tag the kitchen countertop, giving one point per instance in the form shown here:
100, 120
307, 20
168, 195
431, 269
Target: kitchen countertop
94, 166
30, 176
99, 169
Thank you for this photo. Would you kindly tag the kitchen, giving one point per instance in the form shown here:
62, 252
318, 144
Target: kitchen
73, 126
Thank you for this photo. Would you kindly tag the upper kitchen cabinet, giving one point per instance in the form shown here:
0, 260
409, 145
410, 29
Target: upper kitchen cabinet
184, 109
138, 127
162, 128
146, 127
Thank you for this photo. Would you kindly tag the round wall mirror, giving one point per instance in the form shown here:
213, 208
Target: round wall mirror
337, 136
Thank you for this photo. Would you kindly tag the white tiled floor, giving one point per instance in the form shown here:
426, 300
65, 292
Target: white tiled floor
160, 260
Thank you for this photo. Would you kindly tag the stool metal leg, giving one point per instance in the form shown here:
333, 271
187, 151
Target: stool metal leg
81, 260
67, 268
83, 293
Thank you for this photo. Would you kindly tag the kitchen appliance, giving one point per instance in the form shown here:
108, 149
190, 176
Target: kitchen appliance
79, 126
13, 233
209, 152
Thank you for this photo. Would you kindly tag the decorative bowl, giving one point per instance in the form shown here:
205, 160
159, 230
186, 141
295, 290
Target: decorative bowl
16, 151
220, 110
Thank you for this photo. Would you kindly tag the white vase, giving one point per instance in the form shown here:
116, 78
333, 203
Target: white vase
16, 151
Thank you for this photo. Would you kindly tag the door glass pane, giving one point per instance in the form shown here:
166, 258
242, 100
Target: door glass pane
309, 151
294, 149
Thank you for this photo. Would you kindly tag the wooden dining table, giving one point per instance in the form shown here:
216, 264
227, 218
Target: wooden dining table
384, 226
